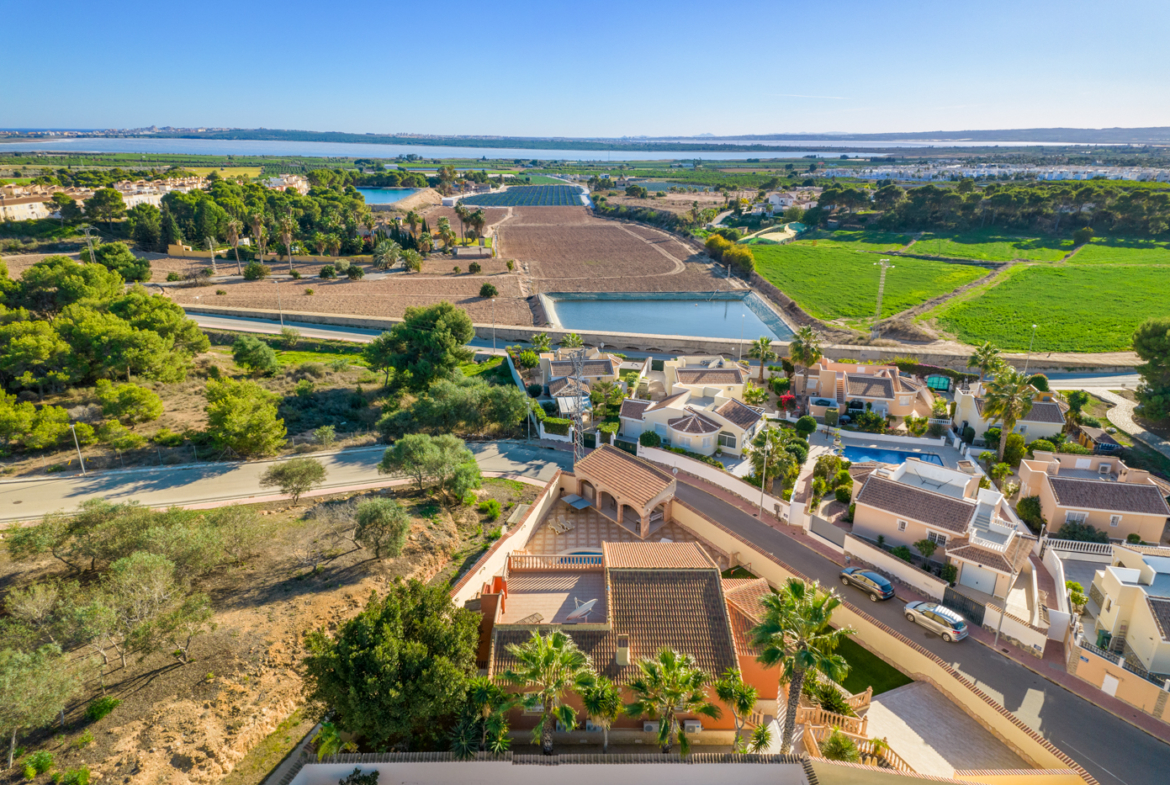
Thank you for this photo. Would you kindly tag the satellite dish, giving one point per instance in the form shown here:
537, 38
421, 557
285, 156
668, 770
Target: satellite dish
675, 470
582, 612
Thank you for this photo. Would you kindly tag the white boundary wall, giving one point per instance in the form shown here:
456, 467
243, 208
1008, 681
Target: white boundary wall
1015, 629
715, 477
1060, 618
892, 565
910, 441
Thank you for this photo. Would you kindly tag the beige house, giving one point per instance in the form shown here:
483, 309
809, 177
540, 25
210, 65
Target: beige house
1099, 490
598, 366
972, 527
1132, 599
705, 377
702, 424
1044, 421
882, 388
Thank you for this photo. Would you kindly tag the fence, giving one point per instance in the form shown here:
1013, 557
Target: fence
519, 562
973, 611
1063, 547
818, 525
777, 507
895, 568
815, 715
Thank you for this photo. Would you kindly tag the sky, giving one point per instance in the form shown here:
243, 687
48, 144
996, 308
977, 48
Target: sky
600, 68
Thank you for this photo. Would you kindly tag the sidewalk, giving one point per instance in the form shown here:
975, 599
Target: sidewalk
1051, 667
1121, 415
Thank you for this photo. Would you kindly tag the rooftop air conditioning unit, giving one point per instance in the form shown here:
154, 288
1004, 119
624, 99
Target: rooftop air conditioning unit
649, 727
693, 726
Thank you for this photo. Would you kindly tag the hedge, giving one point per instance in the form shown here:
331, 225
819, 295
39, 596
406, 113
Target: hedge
557, 425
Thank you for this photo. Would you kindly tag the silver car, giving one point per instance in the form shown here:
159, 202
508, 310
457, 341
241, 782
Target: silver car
948, 624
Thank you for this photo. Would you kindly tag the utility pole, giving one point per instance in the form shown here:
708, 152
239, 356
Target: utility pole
1031, 340
77, 444
877, 317
279, 307
578, 358
88, 240
211, 254
764, 472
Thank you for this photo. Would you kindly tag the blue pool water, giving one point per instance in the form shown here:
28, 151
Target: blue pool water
702, 315
385, 195
861, 454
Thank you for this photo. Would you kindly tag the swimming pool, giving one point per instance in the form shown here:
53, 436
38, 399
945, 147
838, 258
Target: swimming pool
860, 454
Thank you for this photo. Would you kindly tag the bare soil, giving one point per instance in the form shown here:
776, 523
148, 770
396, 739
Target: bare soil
194, 723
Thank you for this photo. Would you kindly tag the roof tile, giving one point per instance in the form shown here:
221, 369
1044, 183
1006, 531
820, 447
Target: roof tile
921, 505
1134, 497
636, 481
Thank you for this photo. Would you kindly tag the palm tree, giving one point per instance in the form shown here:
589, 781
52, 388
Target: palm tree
796, 636
333, 243
444, 230
319, 242
287, 227
328, 741
762, 350
540, 342
1007, 399
461, 212
737, 696
571, 341
256, 222
232, 228
484, 725
386, 254
666, 686
986, 358
477, 220
603, 703
412, 260
412, 220
211, 252
425, 243
768, 452
553, 665
805, 350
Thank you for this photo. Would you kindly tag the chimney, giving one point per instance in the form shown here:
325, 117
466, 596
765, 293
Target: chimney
622, 657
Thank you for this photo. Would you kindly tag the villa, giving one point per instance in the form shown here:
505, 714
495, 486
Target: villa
1132, 603
701, 423
852, 387
598, 366
1044, 421
705, 377
1098, 490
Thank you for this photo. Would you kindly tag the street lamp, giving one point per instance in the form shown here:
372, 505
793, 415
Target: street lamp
493, 324
1031, 340
77, 444
764, 472
885, 265
279, 307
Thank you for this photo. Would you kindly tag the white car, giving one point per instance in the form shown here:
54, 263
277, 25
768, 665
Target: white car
949, 625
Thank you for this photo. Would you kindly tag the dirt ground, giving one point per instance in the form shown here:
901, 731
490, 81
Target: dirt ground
672, 203
193, 723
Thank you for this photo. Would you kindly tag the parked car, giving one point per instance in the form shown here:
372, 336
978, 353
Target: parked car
949, 625
868, 581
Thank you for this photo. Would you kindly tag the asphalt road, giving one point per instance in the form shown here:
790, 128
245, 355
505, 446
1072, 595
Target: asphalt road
1110, 749
210, 482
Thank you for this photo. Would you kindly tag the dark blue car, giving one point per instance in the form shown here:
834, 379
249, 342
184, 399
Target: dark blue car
868, 581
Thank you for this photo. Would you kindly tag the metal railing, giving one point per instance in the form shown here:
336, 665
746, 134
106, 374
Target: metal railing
521, 562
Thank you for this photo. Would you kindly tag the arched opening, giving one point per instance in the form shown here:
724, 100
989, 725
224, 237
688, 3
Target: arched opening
658, 515
607, 504
632, 519
588, 491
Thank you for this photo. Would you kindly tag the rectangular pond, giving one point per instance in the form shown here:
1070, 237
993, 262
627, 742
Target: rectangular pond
731, 315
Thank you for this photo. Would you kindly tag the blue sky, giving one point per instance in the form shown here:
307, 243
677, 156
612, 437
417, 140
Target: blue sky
586, 69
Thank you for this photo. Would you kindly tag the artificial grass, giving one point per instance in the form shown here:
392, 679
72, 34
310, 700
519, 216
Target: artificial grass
869, 670
833, 282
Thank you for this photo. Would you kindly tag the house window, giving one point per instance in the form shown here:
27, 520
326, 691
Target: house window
901, 526
904, 400
1075, 517
706, 442
1022, 429
727, 439
938, 539
1114, 520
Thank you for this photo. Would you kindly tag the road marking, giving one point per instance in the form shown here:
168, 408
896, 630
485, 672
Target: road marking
1068, 746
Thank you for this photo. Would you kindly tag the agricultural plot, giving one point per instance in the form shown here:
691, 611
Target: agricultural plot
832, 283
493, 215
1123, 252
854, 241
551, 216
1079, 308
530, 196
991, 246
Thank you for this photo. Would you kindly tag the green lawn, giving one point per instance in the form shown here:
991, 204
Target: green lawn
493, 370
991, 246
855, 241
869, 670
1123, 251
295, 357
832, 283
1079, 308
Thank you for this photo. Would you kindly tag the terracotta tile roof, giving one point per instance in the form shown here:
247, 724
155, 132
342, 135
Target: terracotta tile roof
656, 556
636, 481
746, 593
921, 505
741, 630
710, 376
589, 368
693, 422
1141, 498
1098, 435
680, 609
566, 388
739, 414
1160, 608
1008, 561
633, 409
859, 471
870, 386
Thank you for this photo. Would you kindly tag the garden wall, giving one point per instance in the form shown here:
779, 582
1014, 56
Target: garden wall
1017, 631
1060, 617
895, 568
892, 646
1090, 666
830, 772
492, 563
714, 476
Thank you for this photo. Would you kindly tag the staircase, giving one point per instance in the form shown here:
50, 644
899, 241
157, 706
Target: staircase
841, 391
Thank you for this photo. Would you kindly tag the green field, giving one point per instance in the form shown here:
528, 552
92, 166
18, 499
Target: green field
1124, 251
1079, 308
857, 241
992, 247
831, 283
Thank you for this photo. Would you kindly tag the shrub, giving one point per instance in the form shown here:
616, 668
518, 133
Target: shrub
308, 292
840, 747
220, 292
950, 573
849, 513
469, 499
1091, 421
325, 436
1042, 445
780, 384
1039, 381
534, 390
843, 494
165, 437
991, 436
528, 358
903, 553
304, 388
511, 265
1029, 511
491, 508
650, 439
999, 471
118, 437
805, 426
172, 277
457, 269
870, 422
1072, 448
1082, 532
255, 271
799, 451
101, 707
832, 700
255, 355
78, 776
1083, 235
1133, 538
1013, 451
475, 268
342, 265
740, 256
968, 434
487, 290
295, 275
39, 762
355, 273
290, 337
327, 272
